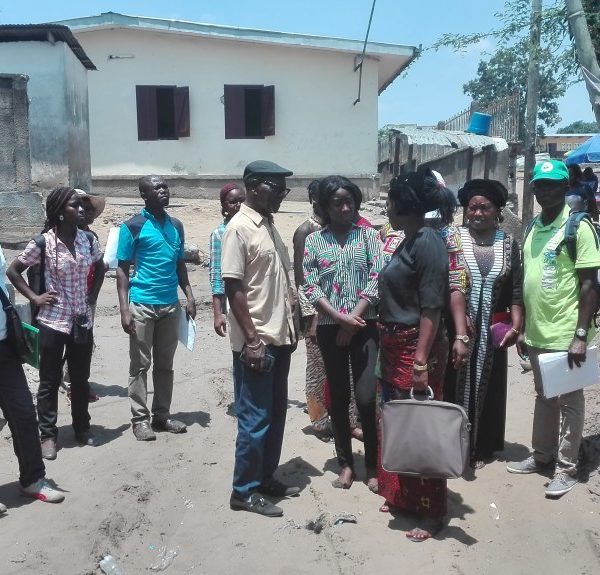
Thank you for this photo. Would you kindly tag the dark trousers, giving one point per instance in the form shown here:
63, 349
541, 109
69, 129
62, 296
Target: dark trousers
260, 407
17, 405
361, 355
79, 356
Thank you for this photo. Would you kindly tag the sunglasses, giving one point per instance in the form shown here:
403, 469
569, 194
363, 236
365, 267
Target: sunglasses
278, 189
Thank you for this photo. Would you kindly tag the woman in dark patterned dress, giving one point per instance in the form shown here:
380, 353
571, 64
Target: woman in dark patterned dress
495, 279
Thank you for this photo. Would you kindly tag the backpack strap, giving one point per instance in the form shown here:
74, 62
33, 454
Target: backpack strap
570, 239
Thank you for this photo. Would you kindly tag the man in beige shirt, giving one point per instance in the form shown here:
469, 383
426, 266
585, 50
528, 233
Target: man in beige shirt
255, 267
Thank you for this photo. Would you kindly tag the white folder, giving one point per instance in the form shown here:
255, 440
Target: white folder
187, 330
558, 378
110, 250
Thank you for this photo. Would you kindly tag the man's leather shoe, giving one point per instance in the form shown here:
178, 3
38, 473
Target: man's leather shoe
170, 425
255, 503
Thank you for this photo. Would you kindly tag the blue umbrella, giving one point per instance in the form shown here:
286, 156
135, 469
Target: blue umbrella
587, 153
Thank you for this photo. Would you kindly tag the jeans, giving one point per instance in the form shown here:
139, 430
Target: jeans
361, 355
261, 408
155, 338
17, 405
557, 422
79, 356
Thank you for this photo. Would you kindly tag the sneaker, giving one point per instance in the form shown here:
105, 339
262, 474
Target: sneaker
170, 425
85, 438
142, 431
561, 483
530, 465
42, 490
275, 488
255, 503
49, 449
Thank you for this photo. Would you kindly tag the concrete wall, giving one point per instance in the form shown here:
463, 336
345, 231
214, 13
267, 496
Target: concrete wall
317, 129
56, 90
78, 127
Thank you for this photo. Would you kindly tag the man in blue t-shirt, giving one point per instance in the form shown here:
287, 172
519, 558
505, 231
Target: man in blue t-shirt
153, 243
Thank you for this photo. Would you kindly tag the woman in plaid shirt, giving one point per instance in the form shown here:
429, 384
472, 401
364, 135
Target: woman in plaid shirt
64, 317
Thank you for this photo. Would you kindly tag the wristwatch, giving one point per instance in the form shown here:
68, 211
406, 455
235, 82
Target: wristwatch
463, 338
581, 333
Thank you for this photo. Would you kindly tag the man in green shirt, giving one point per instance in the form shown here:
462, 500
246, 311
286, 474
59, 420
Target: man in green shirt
560, 300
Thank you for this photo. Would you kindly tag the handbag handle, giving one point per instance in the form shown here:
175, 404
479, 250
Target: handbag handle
429, 393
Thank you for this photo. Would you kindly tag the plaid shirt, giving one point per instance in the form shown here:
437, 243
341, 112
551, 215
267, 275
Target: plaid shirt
216, 281
66, 277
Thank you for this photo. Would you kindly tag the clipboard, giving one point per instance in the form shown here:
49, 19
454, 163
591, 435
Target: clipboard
558, 379
187, 330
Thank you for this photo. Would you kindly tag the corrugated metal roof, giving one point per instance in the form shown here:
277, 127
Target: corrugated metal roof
420, 135
45, 33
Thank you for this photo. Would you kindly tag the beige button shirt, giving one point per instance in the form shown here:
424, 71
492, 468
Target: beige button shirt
254, 252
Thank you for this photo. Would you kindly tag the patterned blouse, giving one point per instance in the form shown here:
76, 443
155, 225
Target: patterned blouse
66, 276
345, 274
458, 277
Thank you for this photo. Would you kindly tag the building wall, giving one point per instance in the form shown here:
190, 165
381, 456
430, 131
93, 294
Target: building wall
317, 129
56, 90
562, 142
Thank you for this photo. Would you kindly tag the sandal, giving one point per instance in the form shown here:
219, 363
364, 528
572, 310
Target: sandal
339, 483
430, 528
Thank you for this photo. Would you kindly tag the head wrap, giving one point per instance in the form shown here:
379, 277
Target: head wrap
493, 190
55, 203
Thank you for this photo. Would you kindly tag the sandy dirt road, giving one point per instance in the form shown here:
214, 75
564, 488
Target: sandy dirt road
131, 499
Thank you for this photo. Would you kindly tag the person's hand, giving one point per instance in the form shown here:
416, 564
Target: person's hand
460, 354
220, 324
420, 381
521, 346
576, 352
190, 308
255, 355
127, 322
343, 338
510, 338
312, 328
350, 323
47, 298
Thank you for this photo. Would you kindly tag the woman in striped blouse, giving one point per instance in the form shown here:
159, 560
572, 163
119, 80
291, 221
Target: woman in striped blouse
341, 269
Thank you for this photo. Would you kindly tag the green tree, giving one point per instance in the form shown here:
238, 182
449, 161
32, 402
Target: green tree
592, 15
505, 73
579, 127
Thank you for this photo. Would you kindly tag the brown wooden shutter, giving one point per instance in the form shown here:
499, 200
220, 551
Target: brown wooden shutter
181, 101
235, 111
146, 112
268, 111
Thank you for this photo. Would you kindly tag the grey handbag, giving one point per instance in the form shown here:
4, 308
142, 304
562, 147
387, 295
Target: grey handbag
425, 438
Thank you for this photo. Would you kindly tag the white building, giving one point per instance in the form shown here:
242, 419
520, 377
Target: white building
197, 102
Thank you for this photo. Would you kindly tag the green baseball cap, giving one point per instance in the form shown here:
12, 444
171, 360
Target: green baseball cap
550, 170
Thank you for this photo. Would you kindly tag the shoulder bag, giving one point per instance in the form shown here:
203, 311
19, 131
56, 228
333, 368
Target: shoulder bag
425, 438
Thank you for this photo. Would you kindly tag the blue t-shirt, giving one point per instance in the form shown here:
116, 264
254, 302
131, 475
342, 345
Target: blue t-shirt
154, 251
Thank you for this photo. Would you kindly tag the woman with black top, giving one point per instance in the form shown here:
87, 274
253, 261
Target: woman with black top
413, 291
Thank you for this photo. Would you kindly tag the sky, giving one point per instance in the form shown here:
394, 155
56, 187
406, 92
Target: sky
430, 91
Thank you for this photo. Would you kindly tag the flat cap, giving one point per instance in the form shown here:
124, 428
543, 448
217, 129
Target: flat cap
265, 168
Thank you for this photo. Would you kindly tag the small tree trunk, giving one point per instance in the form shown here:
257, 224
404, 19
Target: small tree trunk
585, 49
533, 83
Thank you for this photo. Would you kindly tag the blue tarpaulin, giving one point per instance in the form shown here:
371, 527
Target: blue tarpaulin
587, 153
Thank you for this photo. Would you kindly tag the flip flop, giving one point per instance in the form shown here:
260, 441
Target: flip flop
419, 534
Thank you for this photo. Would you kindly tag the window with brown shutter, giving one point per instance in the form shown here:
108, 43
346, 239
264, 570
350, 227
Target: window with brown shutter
249, 111
163, 112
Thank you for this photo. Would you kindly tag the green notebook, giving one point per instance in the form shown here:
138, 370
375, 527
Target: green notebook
33, 337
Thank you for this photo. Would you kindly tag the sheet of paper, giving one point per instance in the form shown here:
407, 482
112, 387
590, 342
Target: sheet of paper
110, 251
187, 330
558, 379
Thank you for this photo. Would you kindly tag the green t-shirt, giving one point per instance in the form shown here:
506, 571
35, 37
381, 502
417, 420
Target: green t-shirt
551, 284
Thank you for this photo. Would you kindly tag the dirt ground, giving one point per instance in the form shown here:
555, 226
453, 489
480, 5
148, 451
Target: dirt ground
134, 500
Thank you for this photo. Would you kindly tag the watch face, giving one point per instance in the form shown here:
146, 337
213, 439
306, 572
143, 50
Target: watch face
580, 332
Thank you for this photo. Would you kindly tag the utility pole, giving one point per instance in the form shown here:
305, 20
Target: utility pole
585, 49
533, 88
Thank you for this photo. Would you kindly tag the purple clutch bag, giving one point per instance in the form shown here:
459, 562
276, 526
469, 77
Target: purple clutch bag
498, 331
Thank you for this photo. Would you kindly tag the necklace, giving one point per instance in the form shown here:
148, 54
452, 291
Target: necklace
487, 242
